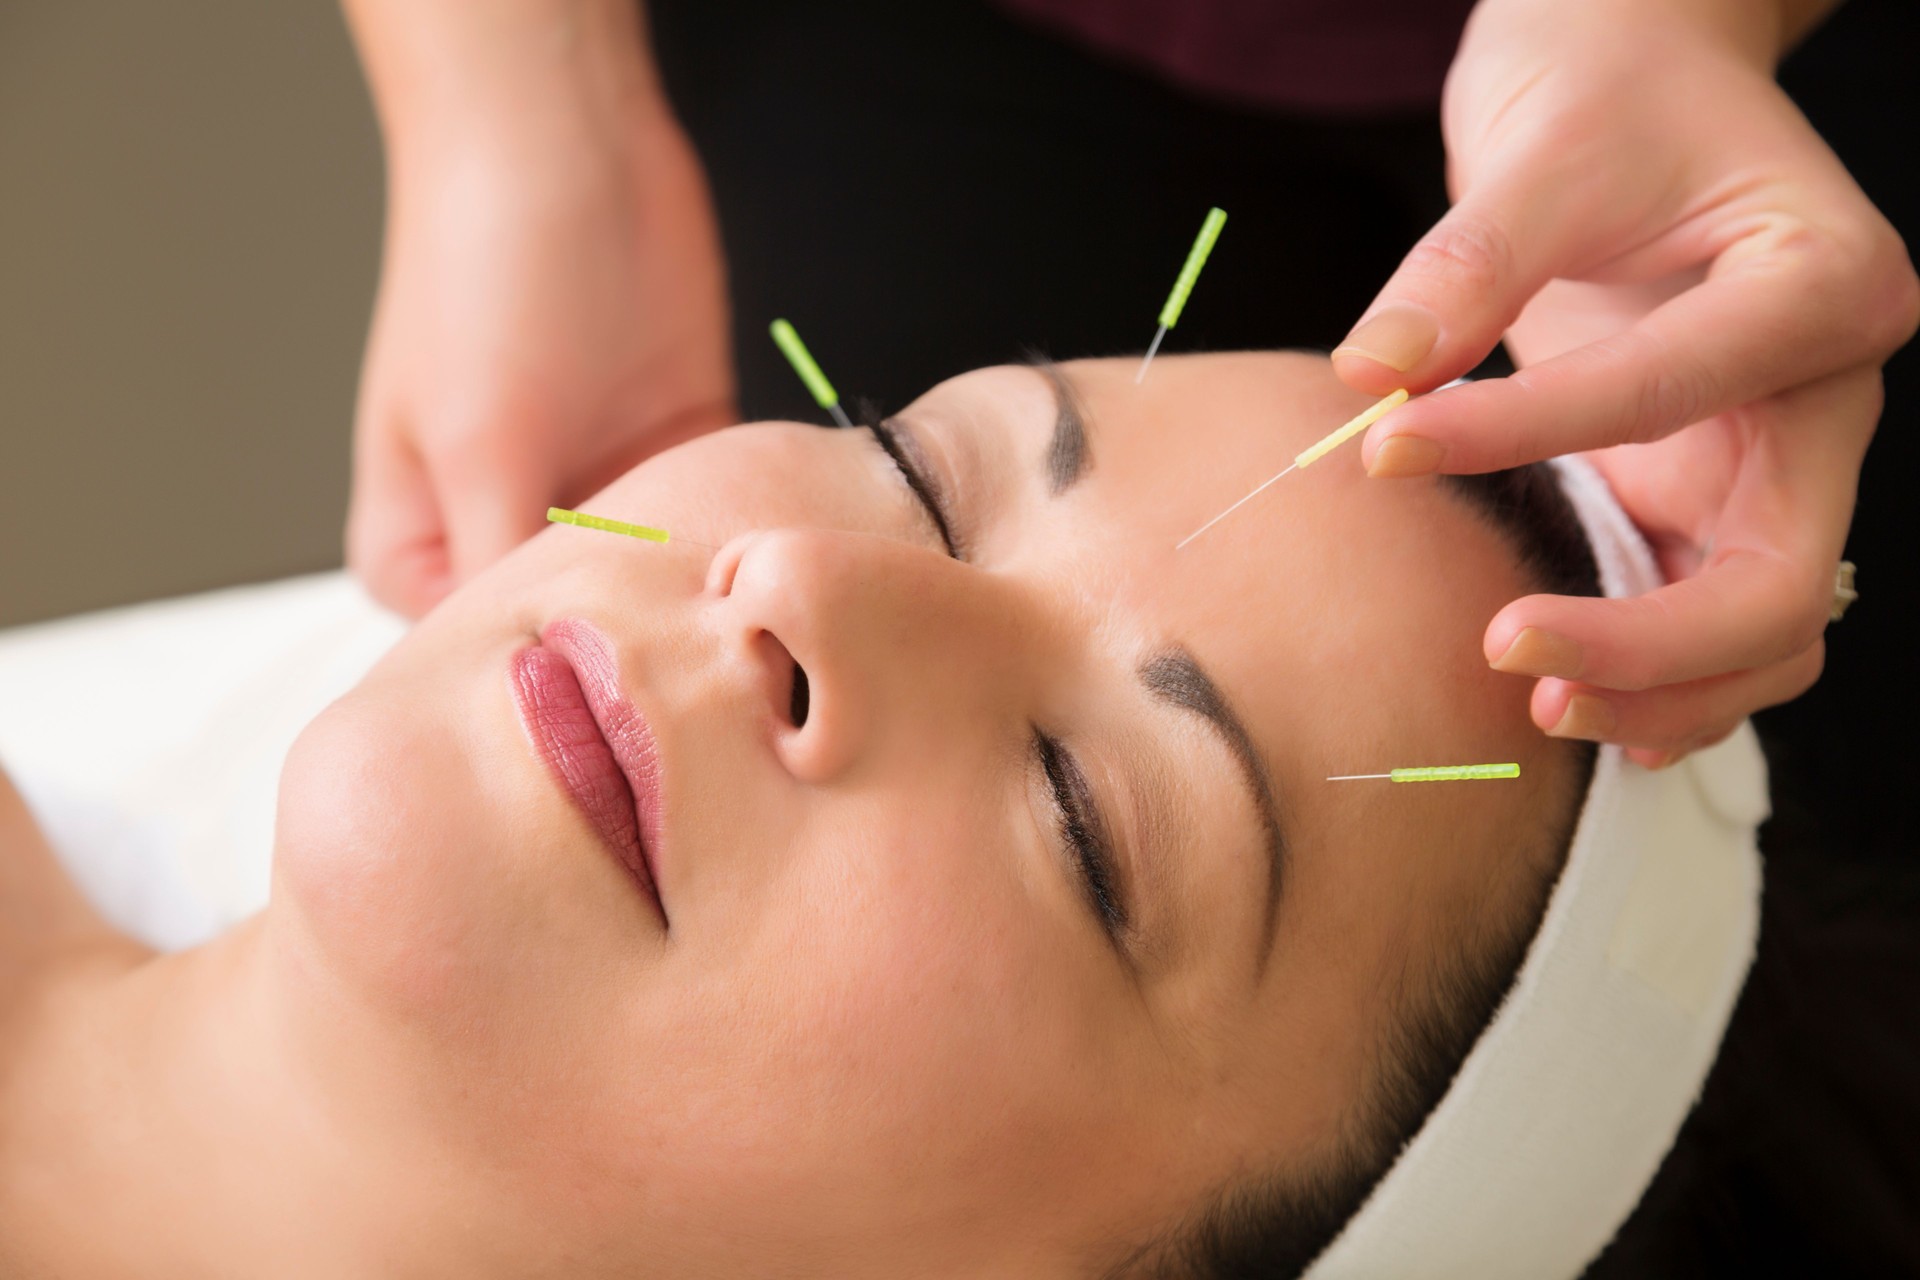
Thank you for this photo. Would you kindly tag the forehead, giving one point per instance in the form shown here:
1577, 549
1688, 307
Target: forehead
1352, 594
1341, 616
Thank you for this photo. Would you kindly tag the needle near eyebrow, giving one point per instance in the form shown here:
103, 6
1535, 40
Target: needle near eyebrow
1438, 773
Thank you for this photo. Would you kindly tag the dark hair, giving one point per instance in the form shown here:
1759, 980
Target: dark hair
1276, 1224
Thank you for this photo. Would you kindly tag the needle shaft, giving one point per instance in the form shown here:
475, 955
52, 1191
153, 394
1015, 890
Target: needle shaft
1309, 455
1158, 337
1229, 511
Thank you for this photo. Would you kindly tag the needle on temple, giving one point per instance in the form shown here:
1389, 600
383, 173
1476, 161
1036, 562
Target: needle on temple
560, 515
1438, 773
1183, 284
788, 340
1311, 454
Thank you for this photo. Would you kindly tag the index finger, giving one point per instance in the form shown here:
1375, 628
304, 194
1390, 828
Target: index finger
495, 499
1770, 320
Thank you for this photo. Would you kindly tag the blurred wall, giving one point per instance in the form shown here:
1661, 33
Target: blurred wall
189, 235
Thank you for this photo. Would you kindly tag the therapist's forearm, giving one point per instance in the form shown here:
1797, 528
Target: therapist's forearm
441, 70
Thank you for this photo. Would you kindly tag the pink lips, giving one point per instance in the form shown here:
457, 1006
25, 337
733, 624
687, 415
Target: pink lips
568, 694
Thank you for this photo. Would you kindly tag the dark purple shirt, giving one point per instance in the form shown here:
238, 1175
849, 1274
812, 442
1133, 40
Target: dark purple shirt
1319, 56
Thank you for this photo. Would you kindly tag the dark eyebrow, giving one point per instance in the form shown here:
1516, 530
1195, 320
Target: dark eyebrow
1175, 677
1068, 457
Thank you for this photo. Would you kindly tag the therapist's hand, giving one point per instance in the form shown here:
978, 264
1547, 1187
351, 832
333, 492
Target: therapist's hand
551, 311
1698, 297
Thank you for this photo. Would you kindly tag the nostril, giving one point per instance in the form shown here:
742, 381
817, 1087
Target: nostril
783, 676
798, 699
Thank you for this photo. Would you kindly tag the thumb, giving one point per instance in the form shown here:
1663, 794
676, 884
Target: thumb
395, 541
494, 500
1455, 293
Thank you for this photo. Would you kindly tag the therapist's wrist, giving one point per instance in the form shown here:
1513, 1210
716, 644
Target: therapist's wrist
525, 76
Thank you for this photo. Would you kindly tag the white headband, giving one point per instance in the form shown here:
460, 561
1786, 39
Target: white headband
1570, 1100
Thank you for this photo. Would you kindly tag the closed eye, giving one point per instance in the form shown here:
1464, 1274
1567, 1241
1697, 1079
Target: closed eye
1083, 833
913, 471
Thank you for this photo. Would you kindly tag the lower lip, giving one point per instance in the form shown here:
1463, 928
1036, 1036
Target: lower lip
557, 716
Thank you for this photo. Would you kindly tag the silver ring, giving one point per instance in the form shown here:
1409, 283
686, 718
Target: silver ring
1843, 592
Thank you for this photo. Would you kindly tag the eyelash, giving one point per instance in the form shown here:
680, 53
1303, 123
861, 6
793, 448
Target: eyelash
886, 435
1077, 833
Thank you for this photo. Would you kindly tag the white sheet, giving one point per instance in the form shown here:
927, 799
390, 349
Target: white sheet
148, 740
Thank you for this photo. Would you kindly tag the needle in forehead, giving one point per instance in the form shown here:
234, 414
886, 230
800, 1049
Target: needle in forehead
1438, 773
1230, 510
1311, 454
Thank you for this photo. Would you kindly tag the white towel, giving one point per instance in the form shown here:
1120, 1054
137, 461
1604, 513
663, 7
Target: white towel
148, 740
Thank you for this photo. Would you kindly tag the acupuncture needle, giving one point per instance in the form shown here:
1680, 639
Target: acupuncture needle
1310, 455
1183, 284
560, 515
788, 340
1438, 773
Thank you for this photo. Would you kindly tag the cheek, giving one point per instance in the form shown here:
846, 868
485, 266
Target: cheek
431, 879
901, 1031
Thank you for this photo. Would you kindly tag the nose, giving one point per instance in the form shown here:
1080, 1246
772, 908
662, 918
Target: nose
833, 627
787, 598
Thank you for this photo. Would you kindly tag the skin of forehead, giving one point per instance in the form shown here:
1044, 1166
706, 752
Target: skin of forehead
1340, 616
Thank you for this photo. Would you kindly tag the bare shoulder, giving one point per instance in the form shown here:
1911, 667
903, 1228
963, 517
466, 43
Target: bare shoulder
48, 929
40, 907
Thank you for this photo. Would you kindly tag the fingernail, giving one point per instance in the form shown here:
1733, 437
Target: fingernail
1398, 336
1541, 653
1402, 456
1585, 717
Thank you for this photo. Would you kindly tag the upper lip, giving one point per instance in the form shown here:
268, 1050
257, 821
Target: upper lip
628, 736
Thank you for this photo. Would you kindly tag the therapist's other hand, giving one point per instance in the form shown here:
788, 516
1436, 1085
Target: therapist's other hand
1699, 297
551, 311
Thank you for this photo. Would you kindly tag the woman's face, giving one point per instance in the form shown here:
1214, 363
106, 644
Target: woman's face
895, 998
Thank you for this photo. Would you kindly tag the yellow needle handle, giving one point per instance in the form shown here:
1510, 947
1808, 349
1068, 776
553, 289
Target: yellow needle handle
560, 515
1313, 453
1456, 773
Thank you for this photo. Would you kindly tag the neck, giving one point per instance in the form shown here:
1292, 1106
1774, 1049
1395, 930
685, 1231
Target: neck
180, 1115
